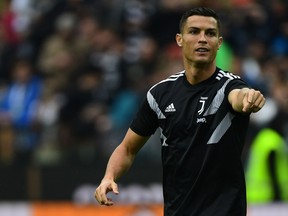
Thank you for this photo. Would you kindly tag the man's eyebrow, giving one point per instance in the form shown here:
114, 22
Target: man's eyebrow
211, 29
193, 27
198, 28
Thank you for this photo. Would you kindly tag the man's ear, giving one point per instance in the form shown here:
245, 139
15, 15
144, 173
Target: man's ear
179, 39
220, 42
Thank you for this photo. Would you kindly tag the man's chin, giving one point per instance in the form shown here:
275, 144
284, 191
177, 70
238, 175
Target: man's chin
202, 62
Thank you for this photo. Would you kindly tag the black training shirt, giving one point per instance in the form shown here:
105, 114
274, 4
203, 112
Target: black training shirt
202, 140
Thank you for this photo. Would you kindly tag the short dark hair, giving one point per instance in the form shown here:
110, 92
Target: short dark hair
200, 11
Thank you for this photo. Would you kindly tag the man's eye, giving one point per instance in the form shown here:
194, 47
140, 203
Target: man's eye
193, 32
211, 34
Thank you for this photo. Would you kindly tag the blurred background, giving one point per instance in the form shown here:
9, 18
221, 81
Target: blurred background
73, 73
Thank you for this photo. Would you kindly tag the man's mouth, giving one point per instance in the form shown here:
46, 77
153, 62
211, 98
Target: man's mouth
202, 50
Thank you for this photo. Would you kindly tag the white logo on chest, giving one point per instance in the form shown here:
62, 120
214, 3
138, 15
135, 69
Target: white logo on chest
170, 108
202, 102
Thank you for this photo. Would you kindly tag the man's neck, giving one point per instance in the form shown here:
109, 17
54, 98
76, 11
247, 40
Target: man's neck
198, 73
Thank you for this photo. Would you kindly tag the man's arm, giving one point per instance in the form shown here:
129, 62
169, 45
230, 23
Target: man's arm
246, 100
119, 162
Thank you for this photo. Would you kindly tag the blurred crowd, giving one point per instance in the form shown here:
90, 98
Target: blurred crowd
73, 72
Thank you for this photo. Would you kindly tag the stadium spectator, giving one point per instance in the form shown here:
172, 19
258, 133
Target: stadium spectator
267, 165
58, 56
17, 109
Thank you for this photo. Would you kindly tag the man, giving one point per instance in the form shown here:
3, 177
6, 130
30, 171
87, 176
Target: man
203, 114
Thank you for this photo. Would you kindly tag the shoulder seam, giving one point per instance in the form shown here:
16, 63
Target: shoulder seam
229, 75
173, 77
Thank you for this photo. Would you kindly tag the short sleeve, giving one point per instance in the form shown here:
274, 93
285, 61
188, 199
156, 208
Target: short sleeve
236, 84
145, 123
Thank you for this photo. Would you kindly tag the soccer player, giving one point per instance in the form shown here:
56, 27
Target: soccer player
203, 114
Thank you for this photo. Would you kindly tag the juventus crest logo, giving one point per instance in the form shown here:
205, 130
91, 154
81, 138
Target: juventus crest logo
202, 104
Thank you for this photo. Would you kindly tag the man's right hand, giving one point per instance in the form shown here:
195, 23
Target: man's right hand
101, 192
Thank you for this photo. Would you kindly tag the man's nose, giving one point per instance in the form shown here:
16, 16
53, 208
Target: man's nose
202, 38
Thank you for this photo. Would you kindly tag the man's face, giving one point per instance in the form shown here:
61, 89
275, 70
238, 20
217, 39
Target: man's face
199, 40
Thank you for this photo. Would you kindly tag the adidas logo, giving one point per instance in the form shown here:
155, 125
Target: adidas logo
170, 108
